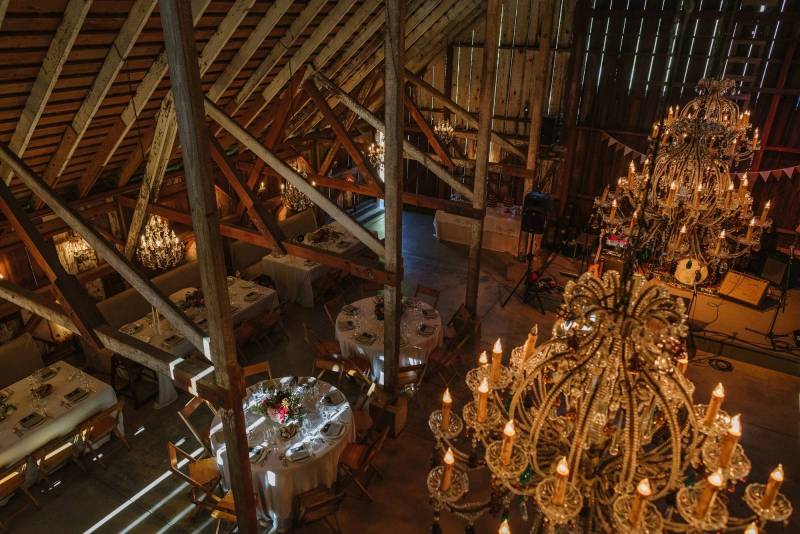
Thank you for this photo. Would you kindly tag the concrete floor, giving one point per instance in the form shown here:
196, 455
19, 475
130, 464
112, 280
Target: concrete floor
137, 494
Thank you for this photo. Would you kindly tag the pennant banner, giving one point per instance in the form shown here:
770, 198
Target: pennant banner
617, 145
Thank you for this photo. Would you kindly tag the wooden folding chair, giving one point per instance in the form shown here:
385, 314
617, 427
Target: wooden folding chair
443, 359
460, 325
270, 323
333, 307
246, 333
425, 291
12, 480
255, 369
224, 511
319, 504
324, 348
203, 434
201, 474
357, 460
55, 454
101, 426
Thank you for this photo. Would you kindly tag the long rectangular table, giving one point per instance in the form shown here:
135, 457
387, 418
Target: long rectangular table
501, 228
248, 300
61, 417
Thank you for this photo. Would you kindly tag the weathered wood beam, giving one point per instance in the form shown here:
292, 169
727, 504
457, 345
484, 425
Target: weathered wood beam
415, 153
487, 92
185, 77
122, 124
117, 53
252, 144
166, 127
188, 374
80, 308
538, 88
54, 59
125, 268
464, 114
341, 133
417, 117
3, 9
394, 46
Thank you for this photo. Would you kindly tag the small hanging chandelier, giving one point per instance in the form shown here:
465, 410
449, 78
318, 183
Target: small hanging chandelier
292, 197
444, 131
159, 247
375, 153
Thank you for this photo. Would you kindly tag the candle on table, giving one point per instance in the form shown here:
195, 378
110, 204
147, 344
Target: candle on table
764, 213
497, 359
713, 484
749, 235
717, 396
483, 400
613, 209
721, 240
562, 474
447, 474
729, 441
447, 408
509, 435
773, 485
504, 528
742, 190
643, 492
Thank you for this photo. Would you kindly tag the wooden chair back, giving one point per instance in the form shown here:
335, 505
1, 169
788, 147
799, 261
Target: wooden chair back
319, 504
260, 368
431, 293
54, 454
12, 479
374, 450
176, 455
202, 434
333, 307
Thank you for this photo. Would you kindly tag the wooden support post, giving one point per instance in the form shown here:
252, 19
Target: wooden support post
394, 46
105, 250
487, 90
541, 72
176, 21
444, 157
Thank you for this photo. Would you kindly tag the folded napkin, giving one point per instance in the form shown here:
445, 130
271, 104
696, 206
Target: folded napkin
365, 338
333, 429
298, 453
253, 296
130, 329
346, 325
32, 420
429, 313
334, 397
426, 329
48, 372
76, 395
349, 309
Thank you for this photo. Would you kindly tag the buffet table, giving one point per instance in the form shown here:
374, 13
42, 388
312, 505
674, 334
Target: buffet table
501, 228
284, 467
248, 300
360, 332
294, 277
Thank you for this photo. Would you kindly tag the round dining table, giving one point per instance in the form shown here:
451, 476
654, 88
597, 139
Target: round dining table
283, 468
360, 332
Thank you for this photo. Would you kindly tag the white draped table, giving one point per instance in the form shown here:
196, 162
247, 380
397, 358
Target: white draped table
351, 323
248, 300
277, 478
294, 277
501, 228
62, 416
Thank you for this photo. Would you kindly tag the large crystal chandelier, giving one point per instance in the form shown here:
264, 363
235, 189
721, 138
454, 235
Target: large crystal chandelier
159, 247
597, 429
293, 198
444, 131
375, 154
691, 208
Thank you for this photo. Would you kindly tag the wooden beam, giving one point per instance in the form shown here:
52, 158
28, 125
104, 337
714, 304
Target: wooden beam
3, 9
444, 157
414, 152
57, 54
81, 309
487, 92
188, 374
251, 143
125, 268
340, 131
117, 53
394, 46
122, 124
185, 77
541, 71
166, 127
464, 114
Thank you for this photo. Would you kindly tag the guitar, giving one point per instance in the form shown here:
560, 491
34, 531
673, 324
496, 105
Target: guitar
596, 268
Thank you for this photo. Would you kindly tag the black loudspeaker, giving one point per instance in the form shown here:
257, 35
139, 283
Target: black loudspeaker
550, 133
774, 269
534, 212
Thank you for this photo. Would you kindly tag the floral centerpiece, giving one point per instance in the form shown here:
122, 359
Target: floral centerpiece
193, 299
282, 406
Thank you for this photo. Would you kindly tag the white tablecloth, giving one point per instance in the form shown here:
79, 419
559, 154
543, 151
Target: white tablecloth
242, 308
278, 480
294, 276
501, 229
61, 418
414, 347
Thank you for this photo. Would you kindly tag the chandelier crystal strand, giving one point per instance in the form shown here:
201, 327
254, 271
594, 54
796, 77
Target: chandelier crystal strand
159, 247
600, 419
692, 208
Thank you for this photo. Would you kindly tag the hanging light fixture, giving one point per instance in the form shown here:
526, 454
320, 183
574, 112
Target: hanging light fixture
695, 210
159, 247
375, 154
597, 429
293, 198
444, 131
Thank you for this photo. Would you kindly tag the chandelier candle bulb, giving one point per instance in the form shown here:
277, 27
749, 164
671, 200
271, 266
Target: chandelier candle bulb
673, 189
497, 360
713, 484
504, 528
720, 240
447, 474
483, 400
749, 235
742, 190
729, 196
483, 359
509, 435
631, 171
562, 474
530, 342
683, 364
729, 441
764, 213
717, 396
755, 139
773, 486
604, 196
613, 210
447, 408
681, 235
643, 492
752, 528
633, 221
696, 199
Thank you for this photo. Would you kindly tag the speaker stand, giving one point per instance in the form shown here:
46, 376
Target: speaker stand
770, 334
